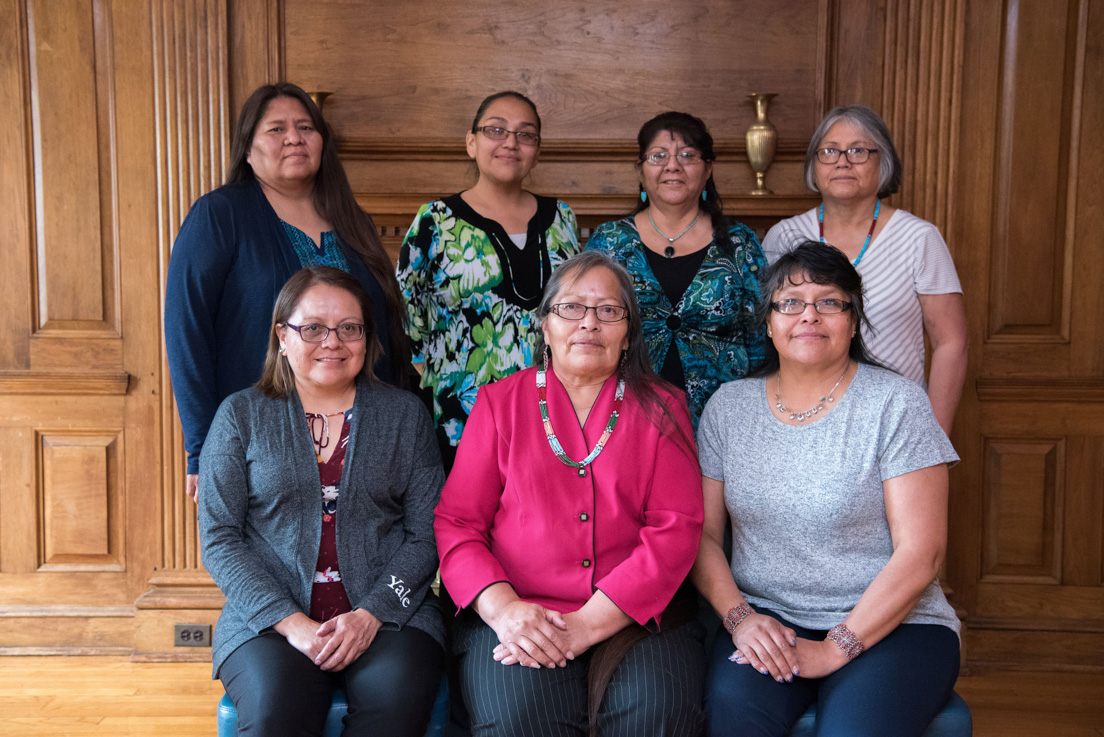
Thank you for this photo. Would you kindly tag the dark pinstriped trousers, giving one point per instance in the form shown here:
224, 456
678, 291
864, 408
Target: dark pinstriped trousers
656, 691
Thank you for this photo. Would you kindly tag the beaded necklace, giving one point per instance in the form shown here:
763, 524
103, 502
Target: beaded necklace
323, 434
542, 393
870, 233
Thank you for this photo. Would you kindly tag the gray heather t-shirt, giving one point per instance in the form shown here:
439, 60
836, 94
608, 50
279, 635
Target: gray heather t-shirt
809, 527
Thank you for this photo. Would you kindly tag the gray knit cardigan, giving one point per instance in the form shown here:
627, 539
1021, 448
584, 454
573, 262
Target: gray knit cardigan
260, 512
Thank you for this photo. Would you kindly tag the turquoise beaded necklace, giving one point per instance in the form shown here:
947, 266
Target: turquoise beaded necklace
554, 443
866, 243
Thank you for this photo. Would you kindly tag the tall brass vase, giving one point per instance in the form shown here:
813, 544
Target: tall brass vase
762, 138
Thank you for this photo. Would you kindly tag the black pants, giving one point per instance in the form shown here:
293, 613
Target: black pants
391, 687
656, 691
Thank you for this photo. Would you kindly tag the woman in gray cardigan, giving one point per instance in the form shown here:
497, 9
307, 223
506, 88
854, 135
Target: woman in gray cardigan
317, 525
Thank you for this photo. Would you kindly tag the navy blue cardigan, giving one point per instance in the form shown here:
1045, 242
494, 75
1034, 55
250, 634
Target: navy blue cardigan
229, 262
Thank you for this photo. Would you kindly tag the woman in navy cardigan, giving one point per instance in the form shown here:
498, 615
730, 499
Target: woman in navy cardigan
286, 204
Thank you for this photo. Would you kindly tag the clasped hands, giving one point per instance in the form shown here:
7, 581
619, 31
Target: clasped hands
773, 649
334, 644
534, 636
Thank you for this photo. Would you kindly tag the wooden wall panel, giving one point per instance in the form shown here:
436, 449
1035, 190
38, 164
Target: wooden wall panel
80, 523
1034, 151
192, 131
70, 60
1023, 499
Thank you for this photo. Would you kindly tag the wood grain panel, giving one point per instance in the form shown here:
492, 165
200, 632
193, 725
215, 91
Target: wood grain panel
432, 64
192, 118
70, 64
1035, 145
1023, 498
80, 502
920, 99
16, 192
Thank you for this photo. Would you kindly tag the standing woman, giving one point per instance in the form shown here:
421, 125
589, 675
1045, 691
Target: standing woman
912, 289
473, 266
286, 205
696, 274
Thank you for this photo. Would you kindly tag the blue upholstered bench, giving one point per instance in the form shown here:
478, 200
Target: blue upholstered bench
228, 714
953, 721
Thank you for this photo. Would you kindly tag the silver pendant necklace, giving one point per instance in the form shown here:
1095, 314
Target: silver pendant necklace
669, 251
802, 416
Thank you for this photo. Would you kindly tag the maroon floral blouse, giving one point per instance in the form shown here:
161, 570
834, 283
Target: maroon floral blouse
328, 597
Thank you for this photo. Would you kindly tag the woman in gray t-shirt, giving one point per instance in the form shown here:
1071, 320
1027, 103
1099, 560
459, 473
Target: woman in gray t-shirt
833, 473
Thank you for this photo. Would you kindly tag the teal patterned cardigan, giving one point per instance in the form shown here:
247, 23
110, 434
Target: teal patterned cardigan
717, 339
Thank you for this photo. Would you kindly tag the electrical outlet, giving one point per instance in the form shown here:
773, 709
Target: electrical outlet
191, 635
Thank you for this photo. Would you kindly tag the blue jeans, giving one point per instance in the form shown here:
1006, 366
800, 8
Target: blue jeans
894, 688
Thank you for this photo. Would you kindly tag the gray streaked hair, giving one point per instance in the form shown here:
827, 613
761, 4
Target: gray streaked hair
889, 162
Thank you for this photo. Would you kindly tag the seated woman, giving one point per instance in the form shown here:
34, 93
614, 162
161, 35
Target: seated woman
569, 520
316, 521
833, 473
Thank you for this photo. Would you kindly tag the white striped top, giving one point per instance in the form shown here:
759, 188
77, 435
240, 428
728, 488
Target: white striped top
909, 257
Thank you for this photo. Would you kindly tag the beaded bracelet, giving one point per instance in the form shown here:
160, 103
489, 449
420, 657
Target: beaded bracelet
736, 615
846, 640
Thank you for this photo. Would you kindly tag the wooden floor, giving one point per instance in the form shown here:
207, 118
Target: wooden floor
74, 696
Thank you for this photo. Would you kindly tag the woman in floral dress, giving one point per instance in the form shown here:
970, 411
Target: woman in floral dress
473, 266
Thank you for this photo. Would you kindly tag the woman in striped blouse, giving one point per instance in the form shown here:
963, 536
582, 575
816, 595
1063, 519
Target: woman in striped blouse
912, 289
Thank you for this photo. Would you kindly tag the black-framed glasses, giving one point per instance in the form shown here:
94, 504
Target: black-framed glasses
347, 332
576, 311
822, 306
854, 155
686, 158
498, 133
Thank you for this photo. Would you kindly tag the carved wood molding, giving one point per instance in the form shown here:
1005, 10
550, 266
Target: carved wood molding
556, 150
382, 206
181, 597
921, 99
15, 381
1041, 389
191, 102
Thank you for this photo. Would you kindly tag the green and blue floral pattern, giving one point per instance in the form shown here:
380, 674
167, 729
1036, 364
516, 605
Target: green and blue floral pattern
716, 338
471, 322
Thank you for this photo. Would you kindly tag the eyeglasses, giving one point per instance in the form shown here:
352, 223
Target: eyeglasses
686, 158
347, 332
498, 133
854, 155
822, 306
576, 311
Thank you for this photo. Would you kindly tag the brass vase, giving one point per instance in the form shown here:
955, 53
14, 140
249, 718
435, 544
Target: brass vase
319, 98
762, 138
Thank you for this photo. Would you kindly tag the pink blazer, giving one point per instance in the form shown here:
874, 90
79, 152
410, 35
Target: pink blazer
512, 511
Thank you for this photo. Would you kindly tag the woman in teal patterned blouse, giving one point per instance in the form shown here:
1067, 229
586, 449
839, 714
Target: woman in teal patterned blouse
696, 273
473, 266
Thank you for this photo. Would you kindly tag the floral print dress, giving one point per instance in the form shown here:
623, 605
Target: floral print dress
328, 597
470, 293
713, 325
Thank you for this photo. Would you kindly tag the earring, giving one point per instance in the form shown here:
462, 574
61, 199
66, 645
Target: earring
283, 351
770, 333
643, 196
705, 195
621, 363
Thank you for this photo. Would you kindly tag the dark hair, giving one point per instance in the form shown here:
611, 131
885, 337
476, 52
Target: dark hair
635, 366
819, 263
694, 133
277, 379
498, 96
334, 201
890, 175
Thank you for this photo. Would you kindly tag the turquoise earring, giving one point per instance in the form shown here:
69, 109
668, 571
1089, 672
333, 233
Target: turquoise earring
704, 195
643, 196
